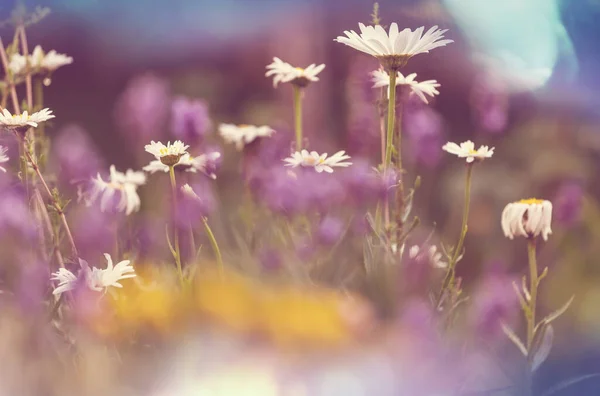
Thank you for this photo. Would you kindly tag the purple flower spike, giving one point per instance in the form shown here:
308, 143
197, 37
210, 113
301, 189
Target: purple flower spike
423, 127
75, 156
330, 230
142, 109
190, 120
567, 204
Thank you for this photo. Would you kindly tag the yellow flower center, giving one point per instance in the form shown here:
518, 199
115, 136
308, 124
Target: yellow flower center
473, 152
163, 151
313, 161
301, 70
531, 201
243, 126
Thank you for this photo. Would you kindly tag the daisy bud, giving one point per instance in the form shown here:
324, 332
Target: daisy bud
528, 218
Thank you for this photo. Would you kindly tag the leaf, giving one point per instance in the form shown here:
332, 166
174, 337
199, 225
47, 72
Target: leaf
544, 348
169, 242
556, 314
514, 338
525, 290
524, 305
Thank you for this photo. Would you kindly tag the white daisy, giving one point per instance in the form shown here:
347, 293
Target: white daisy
95, 279
53, 60
241, 135
169, 154
395, 48
381, 78
3, 157
528, 218
434, 257
318, 161
66, 280
192, 164
467, 150
125, 184
284, 72
25, 120
38, 61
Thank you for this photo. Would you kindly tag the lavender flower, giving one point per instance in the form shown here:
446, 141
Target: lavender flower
75, 157
330, 230
423, 129
142, 109
190, 120
567, 203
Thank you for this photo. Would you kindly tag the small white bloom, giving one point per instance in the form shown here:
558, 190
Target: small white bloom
17, 64
66, 280
241, 135
191, 164
381, 78
10, 121
3, 157
169, 154
187, 190
95, 279
467, 150
318, 161
433, 256
396, 47
125, 184
284, 72
53, 60
528, 218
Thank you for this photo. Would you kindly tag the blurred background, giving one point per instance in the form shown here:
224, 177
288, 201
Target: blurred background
521, 76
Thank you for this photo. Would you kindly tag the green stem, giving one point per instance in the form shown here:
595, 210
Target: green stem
175, 233
391, 119
298, 116
450, 275
533, 285
213, 243
192, 244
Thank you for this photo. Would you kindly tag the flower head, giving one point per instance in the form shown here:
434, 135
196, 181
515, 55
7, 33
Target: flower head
467, 150
38, 61
395, 48
284, 72
125, 184
25, 120
169, 154
3, 157
242, 135
318, 161
381, 78
95, 279
431, 254
528, 218
201, 163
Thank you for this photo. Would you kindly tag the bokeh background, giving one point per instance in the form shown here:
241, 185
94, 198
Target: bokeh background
521, 76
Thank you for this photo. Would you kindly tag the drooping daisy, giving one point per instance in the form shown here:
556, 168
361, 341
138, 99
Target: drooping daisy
381, 78
3, 157
25, 120
38, 61
318, 161
241, 135
17, 64
395, 48
191, 164
66, 280
125, 184
528, 218
169, 154
95, 279
284, 72
467, 150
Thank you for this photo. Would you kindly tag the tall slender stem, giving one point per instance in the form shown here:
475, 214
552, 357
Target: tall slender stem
193, 248
391, 119
450, 274
213, 243
175, 232
533, 285
56, 205
298, 116
28, 86
400, 190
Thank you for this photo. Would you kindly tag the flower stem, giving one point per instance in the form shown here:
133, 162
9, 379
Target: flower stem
175, 232
533, 285
391, 119
298, 116
450, 274
213, 243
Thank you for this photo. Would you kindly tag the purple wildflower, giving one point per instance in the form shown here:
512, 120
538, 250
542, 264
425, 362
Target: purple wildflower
423, 128
190, 120
75, 156
142, 109
330, 230
567, 203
